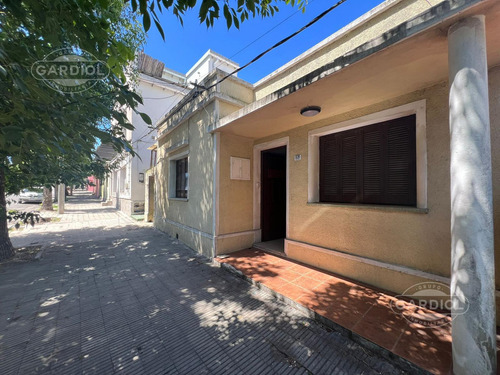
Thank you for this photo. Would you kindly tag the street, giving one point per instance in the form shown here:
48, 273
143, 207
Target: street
111, 295
13, 204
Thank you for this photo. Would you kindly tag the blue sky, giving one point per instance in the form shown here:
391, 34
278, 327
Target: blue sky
184, 45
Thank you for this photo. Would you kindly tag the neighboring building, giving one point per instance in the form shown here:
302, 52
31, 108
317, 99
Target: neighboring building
161, 89
185, 170
369, 187
94, 185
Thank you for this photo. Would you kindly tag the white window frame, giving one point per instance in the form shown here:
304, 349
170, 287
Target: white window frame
172, 175
417, 108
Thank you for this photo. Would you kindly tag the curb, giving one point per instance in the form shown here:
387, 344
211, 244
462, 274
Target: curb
125, 216
400, 362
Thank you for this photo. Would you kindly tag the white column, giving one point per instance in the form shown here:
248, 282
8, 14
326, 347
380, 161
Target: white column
61, 198
472, 251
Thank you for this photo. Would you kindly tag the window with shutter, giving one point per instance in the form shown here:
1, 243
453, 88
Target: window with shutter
375, 164
181, 178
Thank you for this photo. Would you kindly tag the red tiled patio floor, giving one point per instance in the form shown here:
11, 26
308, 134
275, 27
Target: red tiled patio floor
356, 307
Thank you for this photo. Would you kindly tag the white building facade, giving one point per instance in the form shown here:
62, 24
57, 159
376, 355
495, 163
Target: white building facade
160, 91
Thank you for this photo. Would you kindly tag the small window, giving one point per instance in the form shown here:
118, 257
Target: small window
152, 162
181, 178
375, 164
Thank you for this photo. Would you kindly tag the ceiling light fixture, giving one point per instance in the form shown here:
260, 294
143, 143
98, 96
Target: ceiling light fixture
310, 111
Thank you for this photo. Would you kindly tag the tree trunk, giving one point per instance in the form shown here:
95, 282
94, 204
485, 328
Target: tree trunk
6, 248
47, 199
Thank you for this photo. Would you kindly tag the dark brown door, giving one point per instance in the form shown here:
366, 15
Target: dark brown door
273, 191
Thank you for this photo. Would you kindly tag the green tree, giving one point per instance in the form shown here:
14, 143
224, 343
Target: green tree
234, 12
39, 123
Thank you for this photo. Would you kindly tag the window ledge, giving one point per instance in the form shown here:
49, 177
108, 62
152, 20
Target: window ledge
373, 207
178, 199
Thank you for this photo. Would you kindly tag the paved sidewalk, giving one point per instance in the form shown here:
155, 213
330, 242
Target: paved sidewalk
124, 298
81, 212
358, 308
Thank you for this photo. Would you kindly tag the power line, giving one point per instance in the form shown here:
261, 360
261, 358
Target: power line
263, 35
268, 31
282, 41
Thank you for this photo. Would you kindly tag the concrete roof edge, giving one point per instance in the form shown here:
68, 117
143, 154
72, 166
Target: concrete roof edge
432, 17
358, 22
206, 55
187, 98
174, 72
162, 83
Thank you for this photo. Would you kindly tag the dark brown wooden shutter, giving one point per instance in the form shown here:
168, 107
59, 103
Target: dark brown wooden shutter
373, 169
375, 164
349, 168
401, 162
329, 170
181, 168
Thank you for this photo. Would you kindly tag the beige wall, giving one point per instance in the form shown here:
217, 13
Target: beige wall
415, 240
148, 216
410, 239
317, 57
235, 197
237, 89
193, 220
194, 215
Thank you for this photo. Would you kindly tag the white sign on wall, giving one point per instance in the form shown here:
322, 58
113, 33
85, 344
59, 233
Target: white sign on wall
240, 168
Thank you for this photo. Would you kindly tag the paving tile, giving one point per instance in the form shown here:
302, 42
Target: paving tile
356, 307
96, 307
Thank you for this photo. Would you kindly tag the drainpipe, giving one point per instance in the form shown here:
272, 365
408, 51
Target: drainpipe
472, 251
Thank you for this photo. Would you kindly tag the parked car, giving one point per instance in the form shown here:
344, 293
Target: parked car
30, 196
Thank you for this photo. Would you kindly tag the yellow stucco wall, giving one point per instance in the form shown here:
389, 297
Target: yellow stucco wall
236, 213
415, 240
237, 89
419, 241
195, 213
235, 196
400, 12
227, 108
192, 219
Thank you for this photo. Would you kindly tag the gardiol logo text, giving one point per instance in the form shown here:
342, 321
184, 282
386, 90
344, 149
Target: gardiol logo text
70, 70
428, 304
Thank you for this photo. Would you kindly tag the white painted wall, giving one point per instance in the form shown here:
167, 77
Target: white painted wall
209, 62
158, 99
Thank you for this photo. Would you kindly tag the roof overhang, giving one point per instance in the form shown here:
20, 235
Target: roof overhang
408, 58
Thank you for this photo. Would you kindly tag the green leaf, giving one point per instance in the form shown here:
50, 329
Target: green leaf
134, 6
227, 16
205, 6
146, 21
146, 118
160, 29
